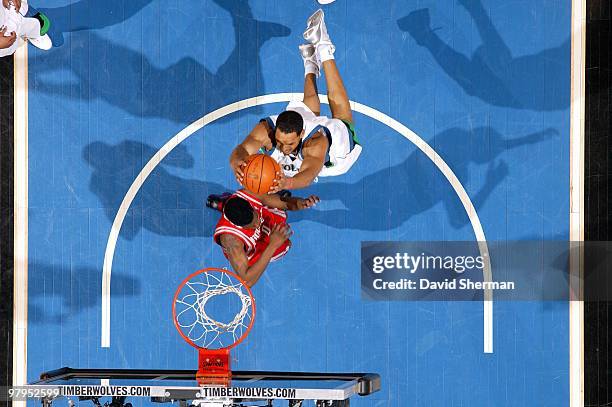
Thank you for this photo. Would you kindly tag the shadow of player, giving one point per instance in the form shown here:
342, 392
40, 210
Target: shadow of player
492, 73
387, 198
166, 204
89, 15
57, 293
181, 92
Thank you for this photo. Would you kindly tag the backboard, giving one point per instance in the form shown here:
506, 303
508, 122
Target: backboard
248, 388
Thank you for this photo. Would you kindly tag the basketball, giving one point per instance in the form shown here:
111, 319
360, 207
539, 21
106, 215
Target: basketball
260, 173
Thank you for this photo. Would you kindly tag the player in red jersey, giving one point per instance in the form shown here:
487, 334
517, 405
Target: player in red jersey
253, 229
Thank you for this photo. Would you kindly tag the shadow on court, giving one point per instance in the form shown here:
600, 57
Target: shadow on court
492, 73
170, 205
89, 15
166, 205
131, 81
387, 198
57, 293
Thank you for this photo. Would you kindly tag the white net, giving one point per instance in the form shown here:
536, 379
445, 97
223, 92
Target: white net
230, 317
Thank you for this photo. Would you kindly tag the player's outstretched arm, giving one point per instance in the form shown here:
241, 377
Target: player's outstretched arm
289, 203
256, 139
237, 256
297, 204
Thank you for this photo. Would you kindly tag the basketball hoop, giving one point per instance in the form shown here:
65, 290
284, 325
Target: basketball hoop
213, 310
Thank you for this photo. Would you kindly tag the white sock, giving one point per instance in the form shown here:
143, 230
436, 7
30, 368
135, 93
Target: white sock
311, 67
326, 52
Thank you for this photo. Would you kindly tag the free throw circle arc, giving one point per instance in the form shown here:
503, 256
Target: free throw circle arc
288, 97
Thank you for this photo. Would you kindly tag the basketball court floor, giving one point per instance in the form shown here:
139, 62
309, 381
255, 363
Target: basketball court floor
463, 110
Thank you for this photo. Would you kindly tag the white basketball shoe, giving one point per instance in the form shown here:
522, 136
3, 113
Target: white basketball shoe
43, 42
316, 34
311, 62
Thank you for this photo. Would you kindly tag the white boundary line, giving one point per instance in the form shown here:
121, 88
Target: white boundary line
577, 106
20, 225
287, 97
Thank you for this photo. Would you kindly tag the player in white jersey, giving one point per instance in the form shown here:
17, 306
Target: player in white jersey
18, 19
305, 144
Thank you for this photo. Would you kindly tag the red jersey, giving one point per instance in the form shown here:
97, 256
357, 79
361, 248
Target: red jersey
256, 239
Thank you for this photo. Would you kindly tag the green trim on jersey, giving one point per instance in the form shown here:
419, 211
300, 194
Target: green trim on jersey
351, 127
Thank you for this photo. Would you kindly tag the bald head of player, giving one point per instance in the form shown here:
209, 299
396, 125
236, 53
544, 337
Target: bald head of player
289, 131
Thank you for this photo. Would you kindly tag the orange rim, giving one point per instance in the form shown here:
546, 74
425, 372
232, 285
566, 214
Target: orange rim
187, 279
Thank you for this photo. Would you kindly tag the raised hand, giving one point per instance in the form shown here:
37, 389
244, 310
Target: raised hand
280, 183
6, 41
279, 234
16, 3
309, 202
238, 168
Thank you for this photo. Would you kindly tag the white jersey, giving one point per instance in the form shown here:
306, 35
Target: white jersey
14, 21
342, 152
11, 18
